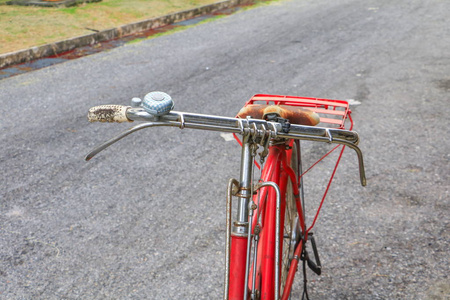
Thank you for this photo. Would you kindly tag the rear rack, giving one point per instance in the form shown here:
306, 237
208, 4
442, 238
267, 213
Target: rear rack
332, 113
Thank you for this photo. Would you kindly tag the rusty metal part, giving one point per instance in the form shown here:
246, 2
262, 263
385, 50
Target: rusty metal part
244, 192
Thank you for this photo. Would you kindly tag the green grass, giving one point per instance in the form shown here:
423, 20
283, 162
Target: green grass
70, 10
23, 27
175, 29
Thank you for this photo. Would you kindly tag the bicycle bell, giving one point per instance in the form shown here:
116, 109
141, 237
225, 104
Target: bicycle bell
157, 103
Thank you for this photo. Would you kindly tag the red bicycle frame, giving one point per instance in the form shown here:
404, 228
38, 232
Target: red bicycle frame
276, 170
278, 159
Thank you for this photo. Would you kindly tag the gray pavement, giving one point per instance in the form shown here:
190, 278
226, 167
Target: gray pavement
145, 219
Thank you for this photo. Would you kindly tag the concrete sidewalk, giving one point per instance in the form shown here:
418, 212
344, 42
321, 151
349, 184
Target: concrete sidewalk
56, 48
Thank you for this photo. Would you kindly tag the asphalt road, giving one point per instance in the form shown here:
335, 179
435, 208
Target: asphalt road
145, 219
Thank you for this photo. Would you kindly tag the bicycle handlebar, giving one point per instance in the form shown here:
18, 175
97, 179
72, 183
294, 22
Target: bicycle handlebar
256, 128
109, 113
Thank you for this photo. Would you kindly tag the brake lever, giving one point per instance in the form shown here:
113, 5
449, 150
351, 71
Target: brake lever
117, 138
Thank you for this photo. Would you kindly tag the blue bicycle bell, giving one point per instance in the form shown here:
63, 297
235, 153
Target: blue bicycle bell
157, 103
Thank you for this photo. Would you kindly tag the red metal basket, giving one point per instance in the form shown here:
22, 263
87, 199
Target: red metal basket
332, 113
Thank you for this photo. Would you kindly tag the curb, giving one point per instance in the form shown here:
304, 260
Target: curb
44, 3
56, 48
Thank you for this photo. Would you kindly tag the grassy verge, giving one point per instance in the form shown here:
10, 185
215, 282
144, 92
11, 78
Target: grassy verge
22, 27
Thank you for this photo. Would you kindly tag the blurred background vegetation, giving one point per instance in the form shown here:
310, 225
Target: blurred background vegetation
23, 27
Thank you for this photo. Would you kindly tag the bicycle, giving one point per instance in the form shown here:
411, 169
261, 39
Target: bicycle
268, 236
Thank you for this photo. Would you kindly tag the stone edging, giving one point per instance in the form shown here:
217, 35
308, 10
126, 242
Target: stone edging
55, 48
43, 3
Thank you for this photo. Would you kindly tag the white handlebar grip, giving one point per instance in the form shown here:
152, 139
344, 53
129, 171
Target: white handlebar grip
109, 113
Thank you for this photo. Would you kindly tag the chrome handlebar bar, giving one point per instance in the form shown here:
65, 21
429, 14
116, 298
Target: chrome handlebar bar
253, 127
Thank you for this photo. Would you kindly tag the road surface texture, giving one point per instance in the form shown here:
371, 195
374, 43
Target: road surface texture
145, 219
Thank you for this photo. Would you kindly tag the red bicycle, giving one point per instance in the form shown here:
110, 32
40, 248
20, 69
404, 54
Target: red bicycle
269, 234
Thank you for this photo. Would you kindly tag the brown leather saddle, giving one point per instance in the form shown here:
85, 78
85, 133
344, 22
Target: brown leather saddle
294, 114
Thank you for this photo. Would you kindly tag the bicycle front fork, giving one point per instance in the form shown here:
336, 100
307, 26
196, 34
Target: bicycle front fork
239, 232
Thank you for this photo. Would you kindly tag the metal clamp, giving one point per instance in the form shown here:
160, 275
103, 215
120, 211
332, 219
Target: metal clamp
328, 135
182, 121
274, 132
